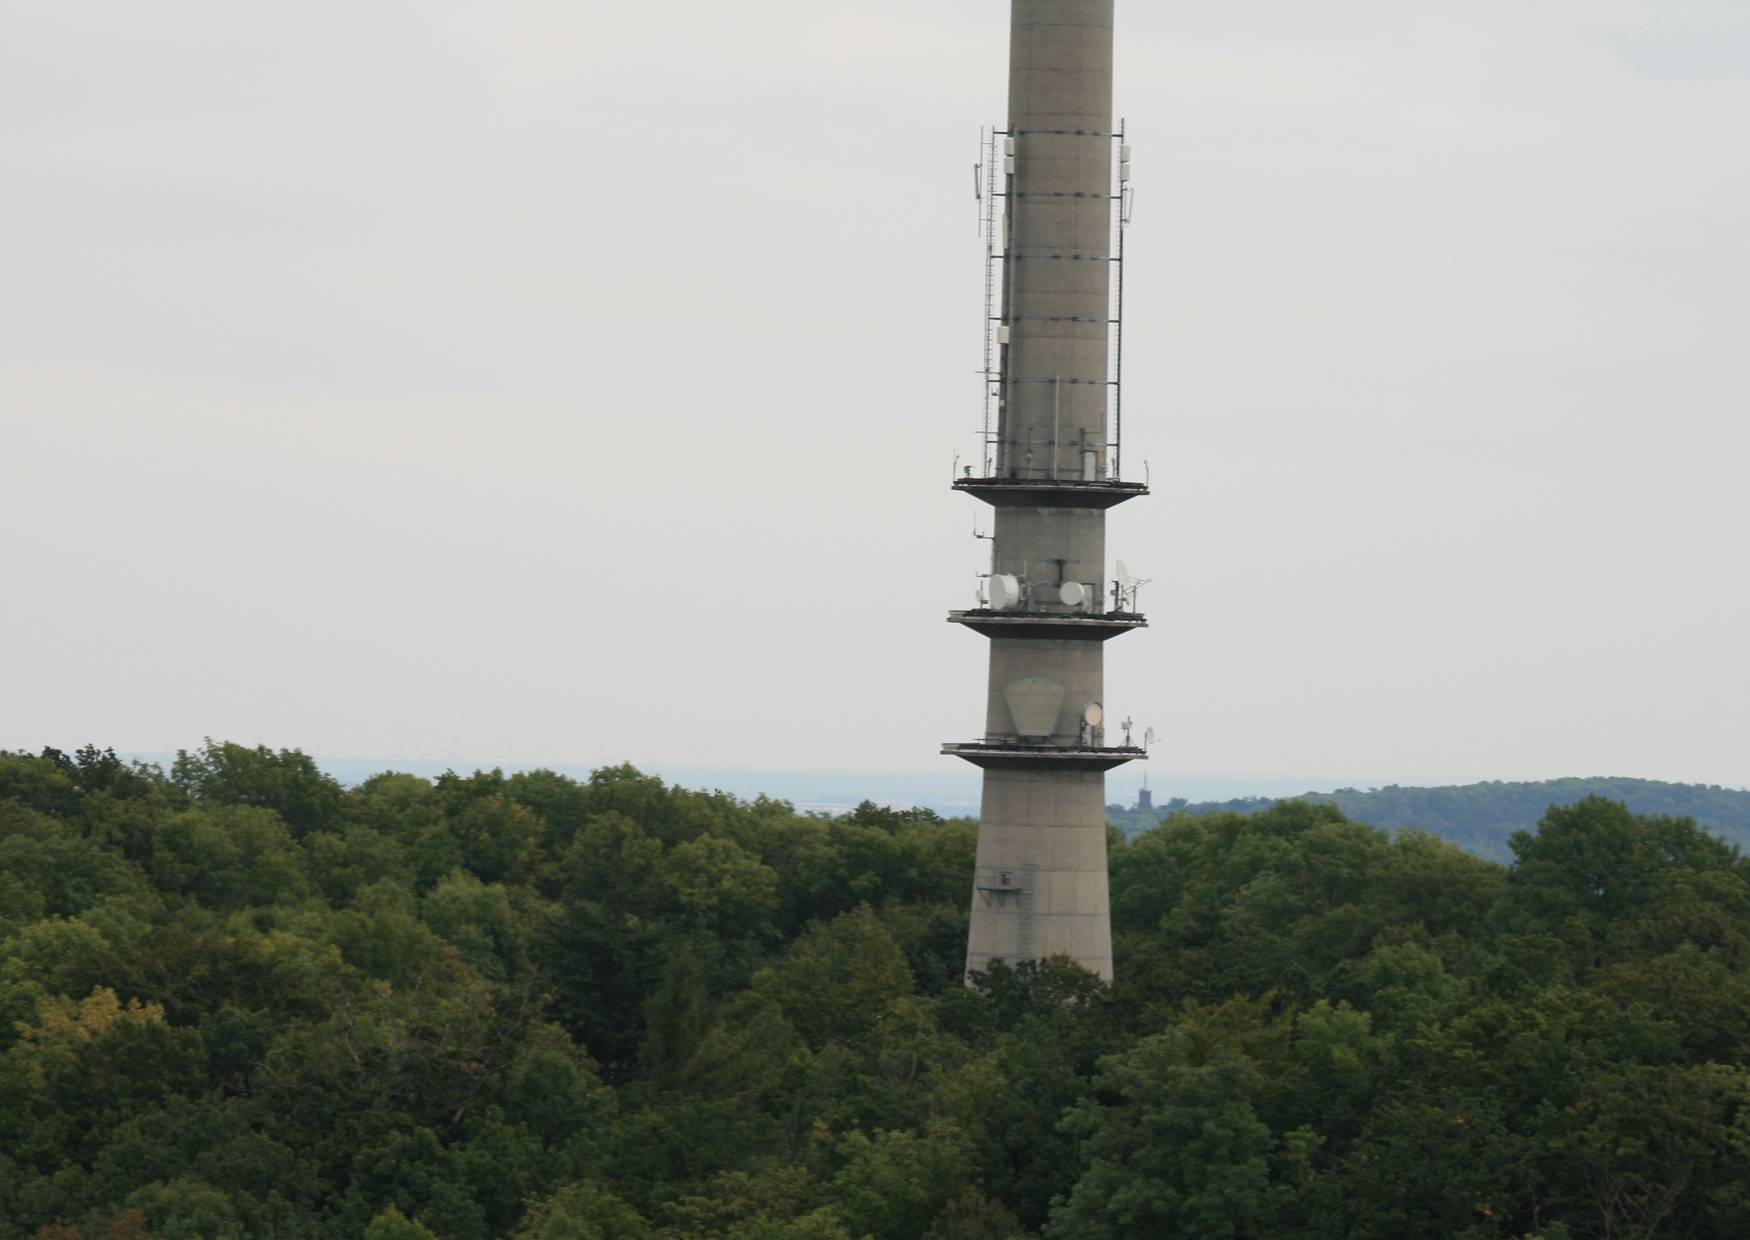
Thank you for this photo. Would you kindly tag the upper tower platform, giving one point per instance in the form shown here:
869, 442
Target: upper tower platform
1050, 492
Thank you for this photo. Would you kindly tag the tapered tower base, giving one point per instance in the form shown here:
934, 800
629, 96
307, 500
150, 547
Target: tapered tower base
1040, 888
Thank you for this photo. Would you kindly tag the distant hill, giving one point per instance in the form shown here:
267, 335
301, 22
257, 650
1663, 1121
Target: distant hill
1481, 817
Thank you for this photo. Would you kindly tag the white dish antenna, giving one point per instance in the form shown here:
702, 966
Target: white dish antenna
1093, 714
1005, 591
1128, 586
1072, 593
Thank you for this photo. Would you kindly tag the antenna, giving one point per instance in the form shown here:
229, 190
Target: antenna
1092, 716
1005, 591
1126, 586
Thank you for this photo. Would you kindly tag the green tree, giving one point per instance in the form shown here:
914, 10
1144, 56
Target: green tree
287, 782
1181, 1149
678, 1016
838, 979
1596, 863
584, 1211
604, 948
188, 1208
229, 858
973, 1216
783, 1201
716, 889
482, 921
391, 1224
894, 1185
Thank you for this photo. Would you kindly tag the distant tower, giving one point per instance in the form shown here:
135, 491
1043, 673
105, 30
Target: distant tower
1050, 471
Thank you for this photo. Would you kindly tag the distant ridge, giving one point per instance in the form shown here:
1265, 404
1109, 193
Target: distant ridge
1481, 817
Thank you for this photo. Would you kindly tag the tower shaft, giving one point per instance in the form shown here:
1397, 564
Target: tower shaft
1057, 263
1040, 887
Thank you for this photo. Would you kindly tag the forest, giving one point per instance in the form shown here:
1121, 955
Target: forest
1481, 818
240, 1000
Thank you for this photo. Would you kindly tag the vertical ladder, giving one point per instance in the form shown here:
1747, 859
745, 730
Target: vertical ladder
988, 225
1024, 916
1121, 222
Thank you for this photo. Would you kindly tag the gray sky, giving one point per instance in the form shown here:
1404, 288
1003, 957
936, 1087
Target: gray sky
569, 382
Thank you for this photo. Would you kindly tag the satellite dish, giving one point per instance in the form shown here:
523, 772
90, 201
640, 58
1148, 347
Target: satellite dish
1005, 591
1093, 715
1072, 593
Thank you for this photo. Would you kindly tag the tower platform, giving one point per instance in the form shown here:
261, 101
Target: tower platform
1054, 626
1049, 492
1013, 755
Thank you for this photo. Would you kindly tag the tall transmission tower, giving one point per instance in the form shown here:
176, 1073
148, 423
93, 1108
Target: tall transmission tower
1054, 183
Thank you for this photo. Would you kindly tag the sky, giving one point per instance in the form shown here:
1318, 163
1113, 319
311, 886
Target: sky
573, 383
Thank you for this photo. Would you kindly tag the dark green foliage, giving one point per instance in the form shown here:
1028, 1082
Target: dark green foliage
243, 1001
1482, 817
287, 782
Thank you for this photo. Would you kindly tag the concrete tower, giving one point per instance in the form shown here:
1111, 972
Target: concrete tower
1049, 473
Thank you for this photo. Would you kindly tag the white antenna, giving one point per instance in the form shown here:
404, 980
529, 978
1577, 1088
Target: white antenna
1125, 587
1148, 738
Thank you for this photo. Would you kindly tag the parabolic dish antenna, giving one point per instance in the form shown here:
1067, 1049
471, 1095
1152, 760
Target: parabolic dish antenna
1093, 715
1005, 591
1072, 593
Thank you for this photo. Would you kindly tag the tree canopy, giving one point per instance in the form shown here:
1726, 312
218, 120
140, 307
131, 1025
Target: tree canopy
241, 1000
1482, 818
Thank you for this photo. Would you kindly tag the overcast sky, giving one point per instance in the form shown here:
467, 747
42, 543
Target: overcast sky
576, 382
